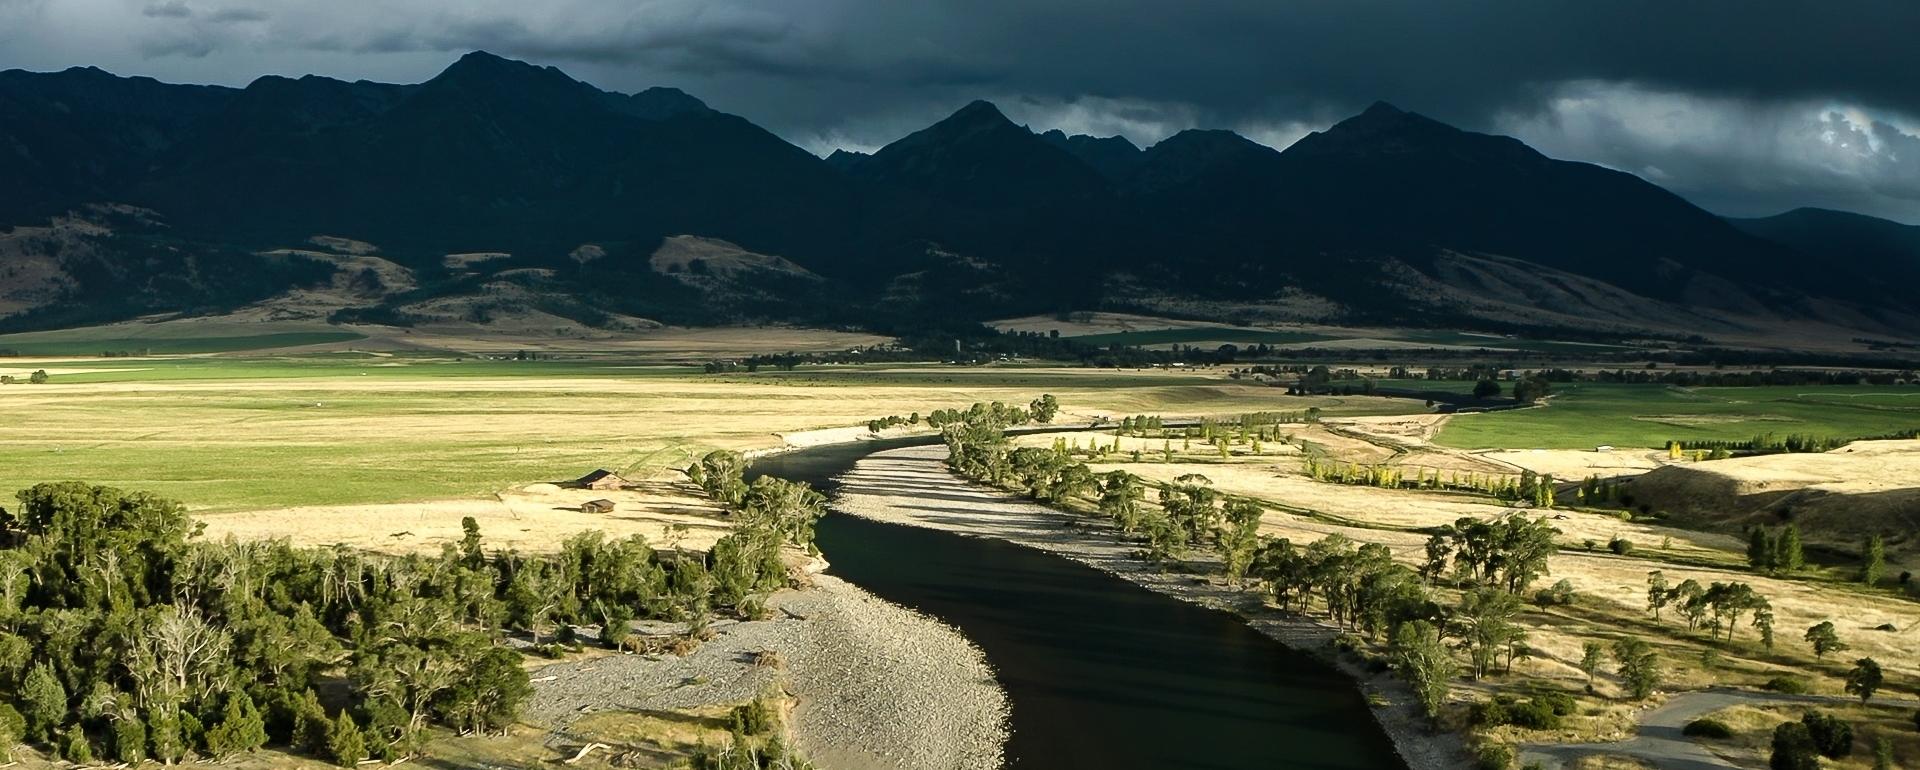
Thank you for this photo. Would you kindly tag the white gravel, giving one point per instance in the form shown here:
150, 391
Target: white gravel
878, 686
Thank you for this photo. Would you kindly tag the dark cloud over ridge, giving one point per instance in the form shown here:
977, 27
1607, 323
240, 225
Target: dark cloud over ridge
1727, 102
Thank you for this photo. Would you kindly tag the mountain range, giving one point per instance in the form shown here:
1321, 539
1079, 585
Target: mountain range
499, 186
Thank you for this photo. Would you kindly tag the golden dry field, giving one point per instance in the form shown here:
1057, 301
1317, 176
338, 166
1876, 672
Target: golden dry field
389, 452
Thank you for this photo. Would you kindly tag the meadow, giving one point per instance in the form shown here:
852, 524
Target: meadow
229, 434
1584, 415
1209, 336
51, 345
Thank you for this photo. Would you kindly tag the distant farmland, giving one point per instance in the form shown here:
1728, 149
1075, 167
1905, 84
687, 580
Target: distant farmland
1583, 415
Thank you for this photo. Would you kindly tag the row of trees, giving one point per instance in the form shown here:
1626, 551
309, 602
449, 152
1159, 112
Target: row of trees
1360, 586
1715, 608
1537, 489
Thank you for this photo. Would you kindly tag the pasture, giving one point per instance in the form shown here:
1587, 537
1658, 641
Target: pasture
1583, 415
238, 434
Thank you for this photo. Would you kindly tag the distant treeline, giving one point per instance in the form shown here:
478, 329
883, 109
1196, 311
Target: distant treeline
1768, 443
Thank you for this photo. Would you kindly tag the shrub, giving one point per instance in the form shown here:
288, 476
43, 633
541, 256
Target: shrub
75, 747
753, 718
755, 608
1620, 546
1541, 712
1790, 685
1707, 728
1493, 757
1831, 735
616, 626
13, 730
1489, 713
1561, 703
1533, 715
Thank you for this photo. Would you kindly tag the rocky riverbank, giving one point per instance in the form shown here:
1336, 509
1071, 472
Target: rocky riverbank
913, 487
877, 686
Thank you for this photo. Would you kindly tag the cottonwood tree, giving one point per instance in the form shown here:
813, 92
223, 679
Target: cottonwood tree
1120, 496
1485, 621
1824, 639
1421, 657
1238, 536
1658, 593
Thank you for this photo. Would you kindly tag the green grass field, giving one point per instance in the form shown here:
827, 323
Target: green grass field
234, 433
1583, 415
1244, 336
1201, 334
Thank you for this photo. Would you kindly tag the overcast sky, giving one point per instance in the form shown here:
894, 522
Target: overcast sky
1745, 106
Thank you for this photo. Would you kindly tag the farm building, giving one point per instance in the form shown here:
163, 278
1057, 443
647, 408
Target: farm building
597, 506
601, 479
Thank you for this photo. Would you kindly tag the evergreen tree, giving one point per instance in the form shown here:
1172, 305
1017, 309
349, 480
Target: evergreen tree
346, 747
1788, 555
129, 739
1639, 667
1875, 565
240, 728
45, 703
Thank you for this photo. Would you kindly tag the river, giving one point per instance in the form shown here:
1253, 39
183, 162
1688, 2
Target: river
1101, 673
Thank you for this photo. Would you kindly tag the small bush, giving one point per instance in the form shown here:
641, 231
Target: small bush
1493, 757
1541, 712
1620, 546
1533, 715
74, 746
754, 608
753, 718
13, 730
1790, 685
1707, 728
1489, 713
1561, 703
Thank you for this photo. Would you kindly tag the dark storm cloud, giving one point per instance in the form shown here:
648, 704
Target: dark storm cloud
238, 15
1564, 74
168, 10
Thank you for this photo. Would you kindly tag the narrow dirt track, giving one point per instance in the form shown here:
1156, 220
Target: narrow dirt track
1658, 740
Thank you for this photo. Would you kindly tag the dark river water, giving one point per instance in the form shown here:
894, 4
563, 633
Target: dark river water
1102, 673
